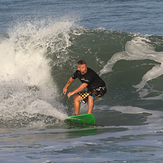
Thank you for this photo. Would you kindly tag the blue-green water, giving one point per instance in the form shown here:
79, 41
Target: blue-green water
40, 43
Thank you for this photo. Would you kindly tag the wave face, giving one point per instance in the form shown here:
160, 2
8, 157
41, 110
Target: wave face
130, 64
37, 59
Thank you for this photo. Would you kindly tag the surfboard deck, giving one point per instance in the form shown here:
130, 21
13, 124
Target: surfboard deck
82, 119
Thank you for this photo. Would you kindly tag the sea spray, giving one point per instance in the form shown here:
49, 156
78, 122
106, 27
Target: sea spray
29, 89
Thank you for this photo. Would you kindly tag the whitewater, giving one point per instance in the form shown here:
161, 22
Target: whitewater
39, 50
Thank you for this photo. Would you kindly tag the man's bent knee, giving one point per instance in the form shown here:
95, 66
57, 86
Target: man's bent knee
77, 98
90, 98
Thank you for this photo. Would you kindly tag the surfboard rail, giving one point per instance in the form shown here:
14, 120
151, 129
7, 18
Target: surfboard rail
82, 119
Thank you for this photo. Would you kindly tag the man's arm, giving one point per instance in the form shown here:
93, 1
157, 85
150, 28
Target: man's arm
67, 85
80, 88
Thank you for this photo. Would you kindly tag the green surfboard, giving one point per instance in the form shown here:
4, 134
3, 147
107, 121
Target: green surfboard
82, 119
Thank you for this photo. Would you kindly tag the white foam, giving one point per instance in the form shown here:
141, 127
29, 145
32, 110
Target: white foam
154, 119
24, 54
138, 49
128, 109
155, 72
25, 74
43, 107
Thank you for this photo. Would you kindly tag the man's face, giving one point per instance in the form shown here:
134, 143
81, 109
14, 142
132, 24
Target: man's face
82, 69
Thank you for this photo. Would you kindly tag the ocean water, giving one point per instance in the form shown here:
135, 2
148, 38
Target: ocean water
40, 43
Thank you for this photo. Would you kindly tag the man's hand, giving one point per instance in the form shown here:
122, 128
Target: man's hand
80, 88
70, 94
64, 91
67, 85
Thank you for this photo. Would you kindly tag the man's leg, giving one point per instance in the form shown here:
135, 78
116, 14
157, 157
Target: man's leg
90, 104
77, 99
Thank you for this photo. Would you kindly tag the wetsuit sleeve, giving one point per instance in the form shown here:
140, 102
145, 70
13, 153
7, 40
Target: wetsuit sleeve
75, 74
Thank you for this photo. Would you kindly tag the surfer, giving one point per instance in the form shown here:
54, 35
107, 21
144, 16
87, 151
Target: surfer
95, 87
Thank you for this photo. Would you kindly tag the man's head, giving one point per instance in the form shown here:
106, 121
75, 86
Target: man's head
82, 67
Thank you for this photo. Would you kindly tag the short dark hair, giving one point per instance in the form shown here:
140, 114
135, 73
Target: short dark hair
81, 62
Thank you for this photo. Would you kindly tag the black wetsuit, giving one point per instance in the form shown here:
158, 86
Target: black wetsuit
91, 78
